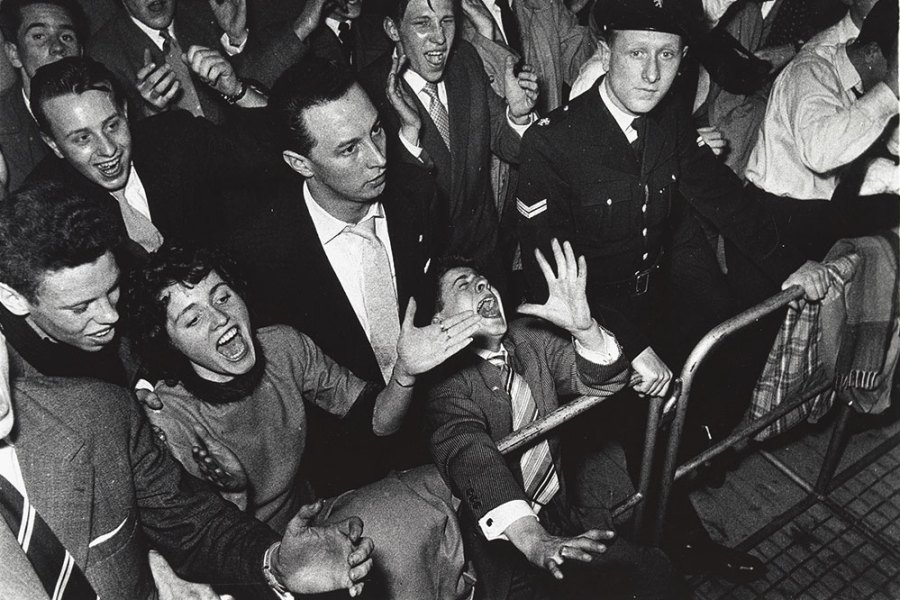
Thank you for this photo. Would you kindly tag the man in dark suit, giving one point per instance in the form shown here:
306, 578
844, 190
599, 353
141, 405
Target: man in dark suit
83, 457
609, 172
144, 42
510, 376
36, 32
304, 257
463, 122
173, 176
351, 37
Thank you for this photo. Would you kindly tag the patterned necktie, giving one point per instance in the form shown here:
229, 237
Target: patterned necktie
188, 99
438, 112
61, 577
510, 26
345, 35
539, 475
379, 297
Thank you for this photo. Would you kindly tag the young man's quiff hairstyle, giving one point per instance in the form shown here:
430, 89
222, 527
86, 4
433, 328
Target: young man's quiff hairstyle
11, 17
70, 75
45, 228
311, 82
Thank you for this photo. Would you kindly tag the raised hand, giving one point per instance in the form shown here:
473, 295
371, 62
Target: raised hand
315, 559
213, 69
521, 90
217, 463
231, 15
311, 17
157, 84
420, 349
566, 305
402, 101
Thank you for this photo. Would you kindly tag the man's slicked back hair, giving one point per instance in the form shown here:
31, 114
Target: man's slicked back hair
70, 75
311, 82
46, 227
11, 17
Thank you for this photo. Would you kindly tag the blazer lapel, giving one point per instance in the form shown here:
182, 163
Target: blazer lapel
431, 137
58, 475
459, 109
654, 143
500, 402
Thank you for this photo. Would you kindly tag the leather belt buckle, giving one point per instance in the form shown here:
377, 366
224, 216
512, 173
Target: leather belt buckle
641, 283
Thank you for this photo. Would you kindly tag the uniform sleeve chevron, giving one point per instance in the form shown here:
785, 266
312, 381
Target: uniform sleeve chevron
529, 212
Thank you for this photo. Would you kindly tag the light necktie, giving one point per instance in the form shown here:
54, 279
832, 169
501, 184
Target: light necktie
510, 26
539, 475
345, 35
379, 297
188, 99
438, 112
53, 564
140, 229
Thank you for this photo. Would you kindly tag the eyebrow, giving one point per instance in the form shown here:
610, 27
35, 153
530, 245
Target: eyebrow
42, 24
463, 276
89, 300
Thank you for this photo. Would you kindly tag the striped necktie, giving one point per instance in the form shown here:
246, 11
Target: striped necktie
438, 112
539, 475
61, 577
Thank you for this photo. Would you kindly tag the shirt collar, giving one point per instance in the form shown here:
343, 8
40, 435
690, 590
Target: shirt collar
153, 34
622, 118
490, 4
334, 24
846, 71
488, 355
328, 227
415, 81
27, 104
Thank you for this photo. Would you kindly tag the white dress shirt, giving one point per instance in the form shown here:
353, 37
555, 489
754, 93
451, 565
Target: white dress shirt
135, 195
9, 467
495, 522
622, 118
345, 250
492, 7
153, 34
815, 124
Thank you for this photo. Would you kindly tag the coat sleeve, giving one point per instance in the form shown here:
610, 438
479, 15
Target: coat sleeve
719, 196
204, 537
462, 448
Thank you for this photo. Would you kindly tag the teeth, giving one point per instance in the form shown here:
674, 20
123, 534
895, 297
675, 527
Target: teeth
229, 335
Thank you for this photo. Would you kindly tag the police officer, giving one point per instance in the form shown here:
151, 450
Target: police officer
620, 173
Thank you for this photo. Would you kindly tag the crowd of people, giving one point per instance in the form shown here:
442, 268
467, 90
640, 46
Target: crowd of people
276, 277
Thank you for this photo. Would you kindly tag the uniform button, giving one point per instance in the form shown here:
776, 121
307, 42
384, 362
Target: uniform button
609, 201
644, 232
646, 254
673, 176
644, 208
489, 522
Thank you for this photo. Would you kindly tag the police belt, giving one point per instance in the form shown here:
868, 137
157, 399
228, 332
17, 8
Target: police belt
637, 285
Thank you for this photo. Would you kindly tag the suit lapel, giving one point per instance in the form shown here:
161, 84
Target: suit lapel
458, 91
134, 41
58, 475
431, 137
500, 401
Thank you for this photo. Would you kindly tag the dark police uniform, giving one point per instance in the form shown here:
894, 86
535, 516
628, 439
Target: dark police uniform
582, 181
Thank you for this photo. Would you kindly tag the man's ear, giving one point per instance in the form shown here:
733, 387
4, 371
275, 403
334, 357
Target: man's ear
605, 54
52, 143
298, 163
391, 29
13, 301
12, 53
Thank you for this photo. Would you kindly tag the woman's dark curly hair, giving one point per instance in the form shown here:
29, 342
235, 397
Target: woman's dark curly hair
145, 308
